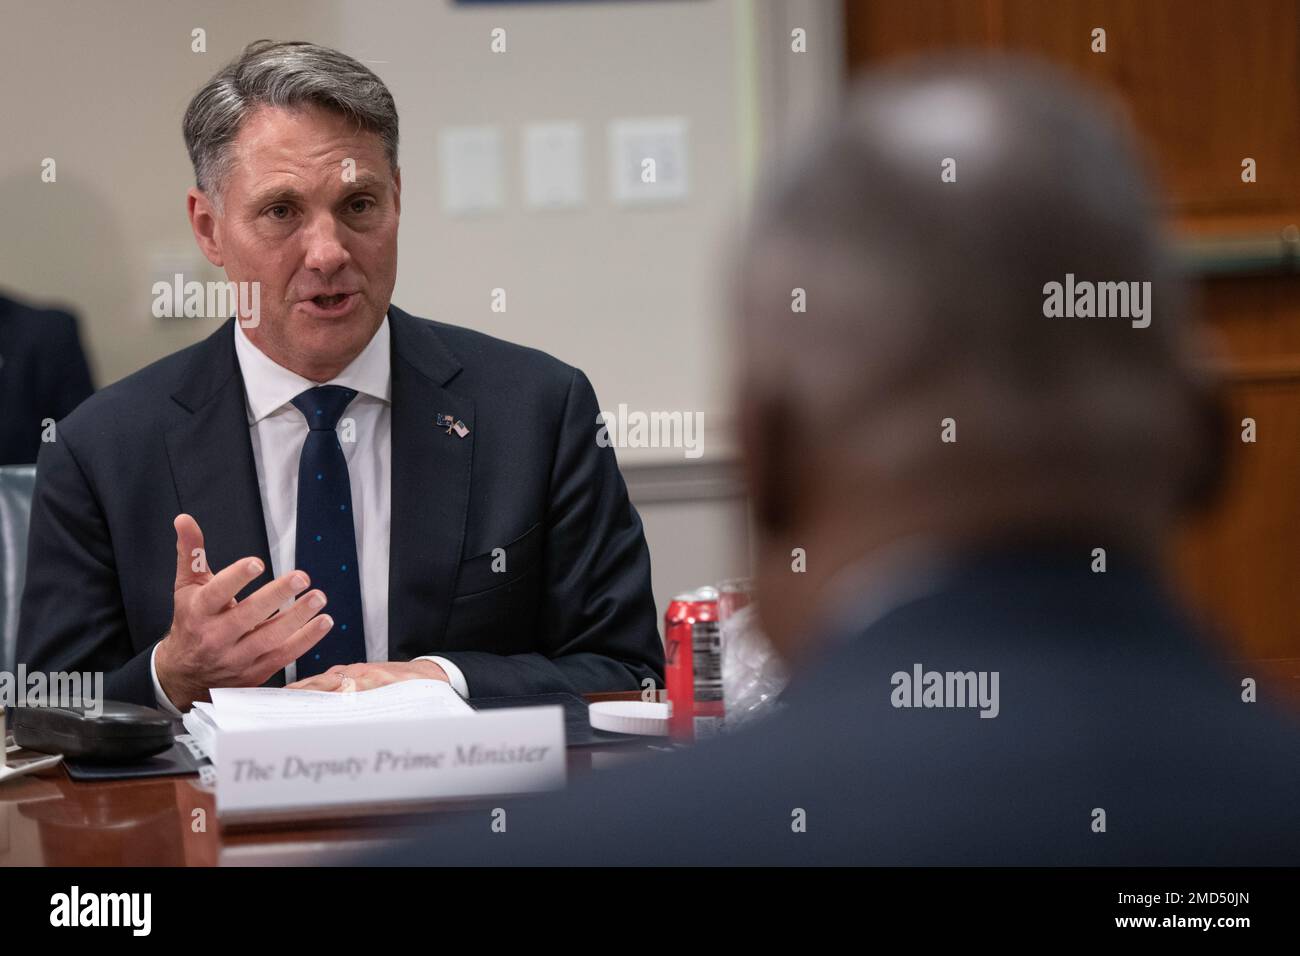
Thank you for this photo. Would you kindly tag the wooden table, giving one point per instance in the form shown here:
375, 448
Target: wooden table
48, 819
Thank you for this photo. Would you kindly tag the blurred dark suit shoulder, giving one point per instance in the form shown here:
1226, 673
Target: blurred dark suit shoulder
43, 376
1108, 699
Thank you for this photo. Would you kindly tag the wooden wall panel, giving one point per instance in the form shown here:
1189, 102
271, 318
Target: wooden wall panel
1241, 560
1206, 83
877, 31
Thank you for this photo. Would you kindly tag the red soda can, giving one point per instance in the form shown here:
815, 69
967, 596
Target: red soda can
693, 664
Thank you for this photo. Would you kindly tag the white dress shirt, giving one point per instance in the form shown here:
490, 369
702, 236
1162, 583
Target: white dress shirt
277, 431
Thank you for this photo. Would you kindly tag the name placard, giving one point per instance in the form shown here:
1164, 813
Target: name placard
492, 752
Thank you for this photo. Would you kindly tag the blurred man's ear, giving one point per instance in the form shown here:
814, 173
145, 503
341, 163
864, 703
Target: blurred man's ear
204, 223
772, 453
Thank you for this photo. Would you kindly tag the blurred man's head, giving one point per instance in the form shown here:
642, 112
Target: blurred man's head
925, 302
294, 149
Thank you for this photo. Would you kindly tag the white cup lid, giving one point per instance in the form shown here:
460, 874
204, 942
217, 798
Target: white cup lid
630, 717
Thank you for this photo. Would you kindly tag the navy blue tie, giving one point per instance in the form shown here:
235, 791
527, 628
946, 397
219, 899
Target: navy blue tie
327, 538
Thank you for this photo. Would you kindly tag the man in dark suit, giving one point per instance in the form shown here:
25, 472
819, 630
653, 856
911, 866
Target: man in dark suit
988, 666
43, 376
329, 491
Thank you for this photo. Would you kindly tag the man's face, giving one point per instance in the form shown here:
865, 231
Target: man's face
310, 207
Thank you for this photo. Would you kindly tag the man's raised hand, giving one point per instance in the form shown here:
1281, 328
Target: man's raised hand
218, 641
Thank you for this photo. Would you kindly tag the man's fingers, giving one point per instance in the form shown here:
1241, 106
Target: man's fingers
229, 581
327, 682
270, 635
359, 677
290, 649
266, 600
189, 539
373, 677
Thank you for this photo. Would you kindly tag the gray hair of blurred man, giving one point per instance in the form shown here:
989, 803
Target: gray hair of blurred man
285, 75
925, 300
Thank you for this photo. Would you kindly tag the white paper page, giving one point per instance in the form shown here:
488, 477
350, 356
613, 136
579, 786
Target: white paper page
245, 708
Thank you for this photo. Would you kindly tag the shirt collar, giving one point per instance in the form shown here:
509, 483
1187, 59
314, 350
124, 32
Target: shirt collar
269, 386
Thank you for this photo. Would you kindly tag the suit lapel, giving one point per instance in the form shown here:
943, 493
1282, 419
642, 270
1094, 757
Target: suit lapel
216, 480
430, 487
212, 459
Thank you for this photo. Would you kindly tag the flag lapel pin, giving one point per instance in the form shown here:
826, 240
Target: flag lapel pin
452, 425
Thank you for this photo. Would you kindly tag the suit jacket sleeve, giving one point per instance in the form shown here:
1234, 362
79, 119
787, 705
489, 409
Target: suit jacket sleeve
72, 618
599, 627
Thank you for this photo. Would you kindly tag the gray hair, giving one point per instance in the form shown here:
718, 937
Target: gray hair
288, 75
925, 298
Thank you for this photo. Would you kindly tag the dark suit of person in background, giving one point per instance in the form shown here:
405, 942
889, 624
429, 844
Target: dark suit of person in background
43, 376
977, 489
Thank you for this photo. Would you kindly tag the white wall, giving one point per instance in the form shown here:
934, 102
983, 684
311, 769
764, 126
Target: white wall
629, 295
632, 296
